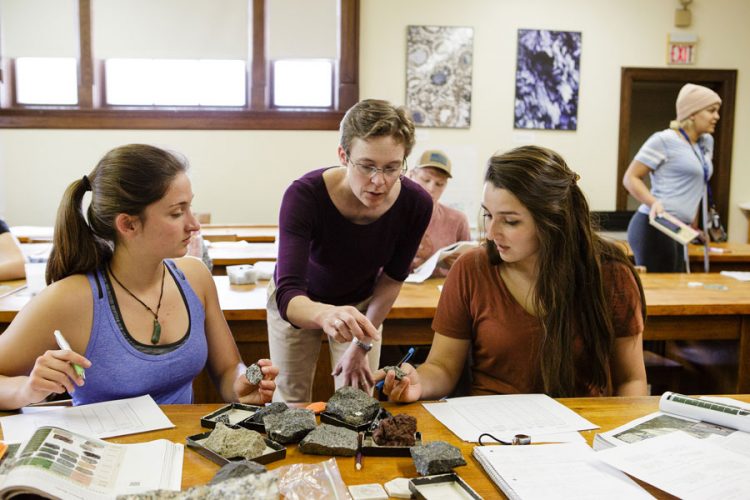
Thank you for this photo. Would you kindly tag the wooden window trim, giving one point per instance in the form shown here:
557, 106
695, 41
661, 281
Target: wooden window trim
259, 115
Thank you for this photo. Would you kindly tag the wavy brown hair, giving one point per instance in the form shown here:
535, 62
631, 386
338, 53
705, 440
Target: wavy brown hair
126, 180
376, 118
569, 293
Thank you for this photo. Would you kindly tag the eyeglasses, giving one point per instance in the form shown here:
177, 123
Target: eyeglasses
369, 171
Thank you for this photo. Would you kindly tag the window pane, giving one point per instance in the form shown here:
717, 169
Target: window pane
170, 29
222, 83
128, 81
302, 29
39, 28
303, 83
46, 80
175, 82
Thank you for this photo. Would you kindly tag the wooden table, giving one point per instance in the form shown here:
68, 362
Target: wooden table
32, 234
721, 256
234, 253
675, 312
608, 413
236, 232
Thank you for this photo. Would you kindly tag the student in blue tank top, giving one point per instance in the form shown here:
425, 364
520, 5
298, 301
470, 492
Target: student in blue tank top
137, 321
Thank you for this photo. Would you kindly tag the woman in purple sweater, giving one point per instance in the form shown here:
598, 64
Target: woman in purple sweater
347, 236
139, 318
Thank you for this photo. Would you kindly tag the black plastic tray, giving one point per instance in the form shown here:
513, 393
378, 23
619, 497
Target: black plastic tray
371, 448
448, 479
209, 421
274, 451
327, 418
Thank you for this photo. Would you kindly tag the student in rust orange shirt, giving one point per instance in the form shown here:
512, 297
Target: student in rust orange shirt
545, 305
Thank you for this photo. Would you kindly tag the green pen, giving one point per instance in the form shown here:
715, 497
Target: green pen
65, 346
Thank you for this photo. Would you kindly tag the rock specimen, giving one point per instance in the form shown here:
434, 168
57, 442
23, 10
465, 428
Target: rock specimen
271, 409
352, 406
330, 440
436, 457
223, 418
263, 486
399, 372
396, 431
234, 470
230, 443
289, 426
253, 374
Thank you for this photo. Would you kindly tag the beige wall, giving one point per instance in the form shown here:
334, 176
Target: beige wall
240, 176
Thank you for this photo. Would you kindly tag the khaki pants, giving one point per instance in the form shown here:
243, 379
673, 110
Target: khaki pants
295, 352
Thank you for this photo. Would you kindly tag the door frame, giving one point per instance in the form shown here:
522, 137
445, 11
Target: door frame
725, 83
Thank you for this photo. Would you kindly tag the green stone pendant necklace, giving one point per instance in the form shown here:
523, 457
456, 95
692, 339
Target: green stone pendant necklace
156, 333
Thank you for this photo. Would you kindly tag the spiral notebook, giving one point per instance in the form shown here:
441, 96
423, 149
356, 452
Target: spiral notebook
564, 470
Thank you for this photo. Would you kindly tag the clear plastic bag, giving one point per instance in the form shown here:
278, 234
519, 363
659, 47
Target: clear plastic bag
321, 481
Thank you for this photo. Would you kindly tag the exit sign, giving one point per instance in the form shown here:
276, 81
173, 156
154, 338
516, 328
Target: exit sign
681, 48
681, 53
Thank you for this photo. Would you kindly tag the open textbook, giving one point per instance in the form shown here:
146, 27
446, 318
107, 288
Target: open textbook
56, 463
674, 228
724, 421
424, 271
565, 470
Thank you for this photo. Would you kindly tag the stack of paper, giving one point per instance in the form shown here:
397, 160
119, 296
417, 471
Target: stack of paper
504, 416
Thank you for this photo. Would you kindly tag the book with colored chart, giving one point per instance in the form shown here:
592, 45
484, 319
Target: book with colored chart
56, 463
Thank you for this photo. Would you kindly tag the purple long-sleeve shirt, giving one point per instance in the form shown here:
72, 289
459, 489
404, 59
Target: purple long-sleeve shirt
326, 257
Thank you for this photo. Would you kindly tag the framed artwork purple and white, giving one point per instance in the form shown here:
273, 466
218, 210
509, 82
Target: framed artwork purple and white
547, 79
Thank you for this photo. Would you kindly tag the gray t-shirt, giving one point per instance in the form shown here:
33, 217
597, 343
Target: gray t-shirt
676, 173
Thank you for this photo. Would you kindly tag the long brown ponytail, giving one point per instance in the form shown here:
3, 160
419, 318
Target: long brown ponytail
126, 180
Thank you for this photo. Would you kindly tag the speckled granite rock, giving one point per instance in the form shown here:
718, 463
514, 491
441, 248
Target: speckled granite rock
353, 406
230, 443
234, 470
399, 372
271, 409
253, 374
262, 486
436, 457
289, 426
396, 431
330, 440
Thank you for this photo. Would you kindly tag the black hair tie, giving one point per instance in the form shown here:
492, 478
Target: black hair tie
86, 183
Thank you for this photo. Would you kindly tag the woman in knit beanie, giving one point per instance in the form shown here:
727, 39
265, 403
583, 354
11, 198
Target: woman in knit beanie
678, 161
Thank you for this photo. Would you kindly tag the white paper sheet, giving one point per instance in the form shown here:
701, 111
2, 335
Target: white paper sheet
504, 416
101, 420
684, 466
557, 471
424, 271
738, 275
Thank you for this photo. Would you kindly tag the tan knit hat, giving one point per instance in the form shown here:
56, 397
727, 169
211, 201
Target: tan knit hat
693, 98
435, 159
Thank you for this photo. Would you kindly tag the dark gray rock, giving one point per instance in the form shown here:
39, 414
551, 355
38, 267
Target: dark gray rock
223, 418
263, 486
230, 442
436, 457
289, 426
399, 372
330, 440
353, 406
234, 470
271, 409
253, 374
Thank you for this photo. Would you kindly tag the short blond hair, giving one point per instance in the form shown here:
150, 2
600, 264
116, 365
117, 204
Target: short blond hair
376, 118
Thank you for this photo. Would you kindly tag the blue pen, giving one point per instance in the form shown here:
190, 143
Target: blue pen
406, 358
